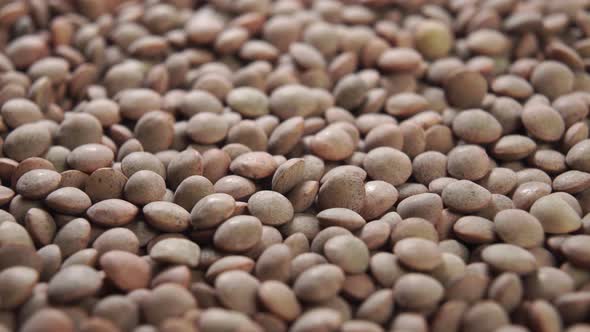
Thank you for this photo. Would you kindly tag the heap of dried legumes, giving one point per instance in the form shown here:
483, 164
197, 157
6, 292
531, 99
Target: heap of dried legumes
294, 165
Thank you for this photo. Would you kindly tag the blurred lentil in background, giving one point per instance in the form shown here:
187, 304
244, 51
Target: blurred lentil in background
294, 165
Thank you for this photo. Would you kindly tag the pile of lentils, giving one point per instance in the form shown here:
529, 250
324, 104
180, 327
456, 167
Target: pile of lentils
295, 165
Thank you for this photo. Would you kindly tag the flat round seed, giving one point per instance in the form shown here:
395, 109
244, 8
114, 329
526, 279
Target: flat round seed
512, 86
413, 227
576, 156
386, 134
241, 299
90, 157
270, 207
144, 187
429, 166
571, 182
543, 315
55, 318
155, 122
37, 184
87, 257
317, 319
519, 228
348, 252
212, 210
332, 143
575, 249
112, 213
126, 270
279, 299
341, 217
254, 165
433, 39
318, 283
500, 180
465, 88
191, 190
215, 319
117, 238
291, 100
513, 147
487, 42
73, 236
166, 216
466, 196
528, 193
78, 129
469, 162
509, 258
375, 233
415, 291
183, 165
137, 161
548, 283
105, 183
452, 267
377, 307
474, 229
119, 310
507, 290
288, 175
484, 316
40, 225
568, 305
227, 263
16, 286
68, 200
166, 301
6, 194
238, 234
389, 165
248, 101
543, 122
400, 59
418, 254
274, 263
477, 126
380, 196
19, 111
286, 135
449, 315
350, 91
300, 166
74, 283
552, 79
406, 104
344, 191
176, 251
238, 187
29, 140
207, 128
556, 216
427, 206
347, 170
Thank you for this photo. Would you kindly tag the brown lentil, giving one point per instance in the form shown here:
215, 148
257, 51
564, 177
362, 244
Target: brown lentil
299, 166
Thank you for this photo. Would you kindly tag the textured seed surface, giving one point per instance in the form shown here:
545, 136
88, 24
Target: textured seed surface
418, 254
302, 166
176, 251
126, 270
238, 233
509, 258
74, 283
319, 283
